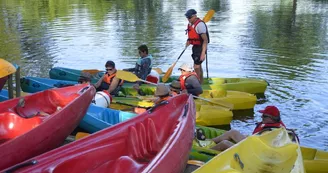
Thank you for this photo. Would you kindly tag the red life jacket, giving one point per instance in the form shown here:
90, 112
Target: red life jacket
183, 79
193, 37
261, 126
109, 78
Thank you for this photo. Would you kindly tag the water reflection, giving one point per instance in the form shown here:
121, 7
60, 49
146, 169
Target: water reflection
284, 42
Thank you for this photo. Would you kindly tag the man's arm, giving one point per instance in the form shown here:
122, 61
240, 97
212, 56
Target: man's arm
99, 81
114, 84
204, 46
193, 86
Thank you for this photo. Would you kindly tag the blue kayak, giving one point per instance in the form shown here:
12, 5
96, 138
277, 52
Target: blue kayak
98, 118
3, 95
36, 84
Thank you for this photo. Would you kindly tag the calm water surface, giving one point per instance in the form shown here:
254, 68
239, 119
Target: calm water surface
284, 42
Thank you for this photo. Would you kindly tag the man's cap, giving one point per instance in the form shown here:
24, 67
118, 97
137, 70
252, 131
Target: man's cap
271, 110
190, 12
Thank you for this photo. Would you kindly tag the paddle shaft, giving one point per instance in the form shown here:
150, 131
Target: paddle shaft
201, 98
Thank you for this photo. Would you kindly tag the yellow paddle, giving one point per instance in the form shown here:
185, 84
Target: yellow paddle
168, 73
6, 68
128, 76
91, 71
80, 135
95, 71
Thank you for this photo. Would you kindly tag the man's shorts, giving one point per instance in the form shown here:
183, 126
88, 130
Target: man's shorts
196, 52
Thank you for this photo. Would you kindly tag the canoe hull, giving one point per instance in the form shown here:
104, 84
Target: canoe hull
50, 133
157, 141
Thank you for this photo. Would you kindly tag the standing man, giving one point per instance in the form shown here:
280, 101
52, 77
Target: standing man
197, 36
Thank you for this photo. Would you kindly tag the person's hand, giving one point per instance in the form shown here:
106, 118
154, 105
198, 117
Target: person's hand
187, 44
184, 91
136, 86
202, 56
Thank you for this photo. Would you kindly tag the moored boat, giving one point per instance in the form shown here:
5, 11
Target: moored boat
271, 151
159, 140
39, 122
249, 85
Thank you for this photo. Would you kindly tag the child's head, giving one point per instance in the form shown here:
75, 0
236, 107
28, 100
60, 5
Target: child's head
162, 90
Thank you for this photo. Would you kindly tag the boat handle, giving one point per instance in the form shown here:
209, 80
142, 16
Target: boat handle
185, 110
156, 106
32, 162
237, 158
84, 89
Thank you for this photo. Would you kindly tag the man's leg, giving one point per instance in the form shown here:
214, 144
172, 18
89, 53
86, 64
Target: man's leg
199, 71
223, 145
234, 135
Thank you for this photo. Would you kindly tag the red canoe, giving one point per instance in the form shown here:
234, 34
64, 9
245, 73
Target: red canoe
37, 123
156, 141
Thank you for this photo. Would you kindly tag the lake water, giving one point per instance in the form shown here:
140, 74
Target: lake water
284, 42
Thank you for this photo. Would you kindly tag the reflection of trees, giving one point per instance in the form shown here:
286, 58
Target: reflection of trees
291, 38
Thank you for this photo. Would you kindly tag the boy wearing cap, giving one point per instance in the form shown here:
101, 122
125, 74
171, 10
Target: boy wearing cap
108, 81
143, 66
270, 119
197, 36
175, 88
189, 80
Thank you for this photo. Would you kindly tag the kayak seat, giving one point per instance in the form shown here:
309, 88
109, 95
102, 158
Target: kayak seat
28, 107
153, 141
99, 159
60, 99
12, 125
143, 144
110, 116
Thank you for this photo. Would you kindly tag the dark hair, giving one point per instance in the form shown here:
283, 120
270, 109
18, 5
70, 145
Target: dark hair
143, 48
110, 64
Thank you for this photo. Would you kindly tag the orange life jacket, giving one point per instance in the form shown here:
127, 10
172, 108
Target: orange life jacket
109, 78
261, 126
183, 79
162, 99
193, 37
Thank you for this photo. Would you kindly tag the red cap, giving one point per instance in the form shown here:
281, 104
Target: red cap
271, 110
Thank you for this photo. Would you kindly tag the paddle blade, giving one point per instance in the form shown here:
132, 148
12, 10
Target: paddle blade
91, 71
127, 76
6, 68
168, 73
208, 15
158, 70
80, 135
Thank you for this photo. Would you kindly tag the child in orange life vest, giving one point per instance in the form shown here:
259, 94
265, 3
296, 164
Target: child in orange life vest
270, 119
189, 80
85, 78
162, 93
175, 88
108, 81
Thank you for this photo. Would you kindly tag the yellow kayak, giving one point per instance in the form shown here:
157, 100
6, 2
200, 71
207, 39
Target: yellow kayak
272, 152
240, 100
315, 161
208, 115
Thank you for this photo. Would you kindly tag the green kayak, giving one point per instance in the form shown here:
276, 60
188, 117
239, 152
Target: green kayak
249, 85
